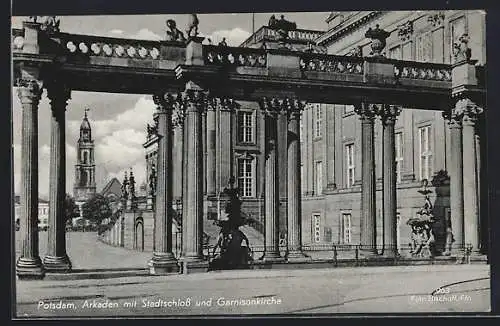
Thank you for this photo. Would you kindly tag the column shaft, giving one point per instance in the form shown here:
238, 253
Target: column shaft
163, 260
225, 141
211, 157
193, 198
57, 259
29, 265
368, 210
389, 115
456, 183
294, 182
471, 201
271, 201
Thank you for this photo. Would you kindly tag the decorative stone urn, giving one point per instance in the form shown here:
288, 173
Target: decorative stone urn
378, 37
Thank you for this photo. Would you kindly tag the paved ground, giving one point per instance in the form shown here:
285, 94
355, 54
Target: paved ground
398, 289
86, 252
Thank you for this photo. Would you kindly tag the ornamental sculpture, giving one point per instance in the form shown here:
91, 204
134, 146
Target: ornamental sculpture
49, 24
405, 31
234, 247
378, 37
192, 28
461, 51
282, 26
173, 33
422, 236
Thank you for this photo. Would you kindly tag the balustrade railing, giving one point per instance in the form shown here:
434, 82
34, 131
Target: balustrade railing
331, 63
232, 56
422, 70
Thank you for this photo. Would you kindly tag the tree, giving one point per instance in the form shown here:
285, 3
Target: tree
71, 209
96, 209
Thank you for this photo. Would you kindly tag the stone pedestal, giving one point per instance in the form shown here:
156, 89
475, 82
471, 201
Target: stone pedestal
368, 227
29, 265
57, 260
163, 260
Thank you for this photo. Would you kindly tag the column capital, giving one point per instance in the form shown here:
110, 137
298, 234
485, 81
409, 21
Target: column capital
29, 90
273, 106
270, 106
194, 100
226, 104
468, 110
166, 102
388, 113
59, 93
366, 112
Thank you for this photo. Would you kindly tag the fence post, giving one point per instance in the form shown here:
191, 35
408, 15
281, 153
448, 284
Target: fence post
335, 255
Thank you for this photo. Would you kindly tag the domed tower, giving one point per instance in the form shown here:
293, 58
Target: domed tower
85, 186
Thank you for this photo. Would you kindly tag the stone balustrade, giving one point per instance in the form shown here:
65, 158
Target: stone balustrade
422, 70
331, 63
246, 57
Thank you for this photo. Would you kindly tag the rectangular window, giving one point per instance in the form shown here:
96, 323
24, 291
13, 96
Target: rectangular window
425, 151
438, 45
316, 228
395, 53
399, 155
319, 178
301, 130
246, 182
398, 233
457, 29
317, 120
424, 47
245, 127
302, 176
348, 109
350, 165
345, 227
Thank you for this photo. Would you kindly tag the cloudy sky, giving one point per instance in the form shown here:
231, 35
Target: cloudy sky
119, 121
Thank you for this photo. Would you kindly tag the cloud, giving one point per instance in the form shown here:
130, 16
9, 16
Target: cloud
116, 32
146, 34
234, 37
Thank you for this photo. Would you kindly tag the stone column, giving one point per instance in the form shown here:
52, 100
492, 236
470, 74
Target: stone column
57, 259
163, 260
470, 111
211, 152
294, 184
29, 265
389, 115
456, 180
368, 210
282, 158
192, 223
271, 108
205, 152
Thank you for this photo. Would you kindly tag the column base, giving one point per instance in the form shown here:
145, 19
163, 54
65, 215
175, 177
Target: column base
191, 265
30, 268
272, 257
162, 264
57, 264
297, 256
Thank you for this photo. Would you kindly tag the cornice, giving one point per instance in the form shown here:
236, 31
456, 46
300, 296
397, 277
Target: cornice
351, 24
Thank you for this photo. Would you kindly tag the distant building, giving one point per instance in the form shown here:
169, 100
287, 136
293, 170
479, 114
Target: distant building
43, 213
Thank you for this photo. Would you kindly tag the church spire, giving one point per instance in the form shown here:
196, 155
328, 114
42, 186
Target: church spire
85, 130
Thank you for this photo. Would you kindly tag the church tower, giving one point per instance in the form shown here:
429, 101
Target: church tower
85, 186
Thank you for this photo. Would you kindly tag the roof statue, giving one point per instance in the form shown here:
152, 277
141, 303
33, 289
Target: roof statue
461, 51
49, 24
173, 33
223, 42
192, 28
378, 37
281, 23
